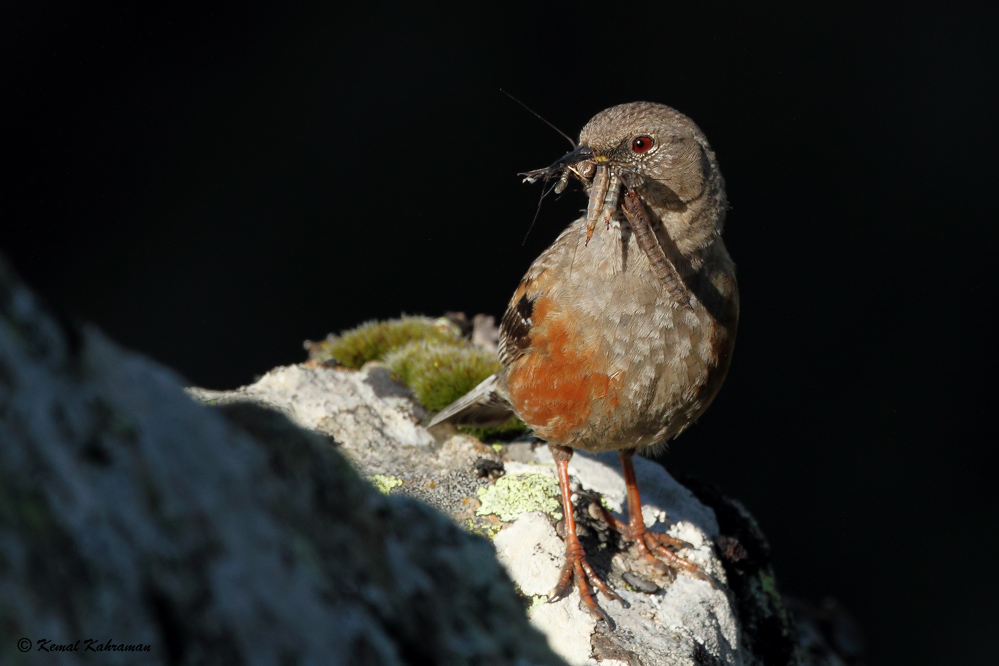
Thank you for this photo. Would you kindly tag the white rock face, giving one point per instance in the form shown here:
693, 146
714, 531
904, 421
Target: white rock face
363, 408
685, 621
684, 613
531, 552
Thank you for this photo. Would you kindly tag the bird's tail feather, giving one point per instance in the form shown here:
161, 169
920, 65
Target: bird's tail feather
486, 405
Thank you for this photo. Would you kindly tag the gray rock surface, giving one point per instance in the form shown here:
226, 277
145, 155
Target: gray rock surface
131, 516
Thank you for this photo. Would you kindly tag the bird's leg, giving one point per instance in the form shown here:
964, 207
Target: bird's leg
576, 567
652, 545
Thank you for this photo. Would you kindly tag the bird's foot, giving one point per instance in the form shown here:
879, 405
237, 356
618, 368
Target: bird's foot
655, 546
577, 569
652, 546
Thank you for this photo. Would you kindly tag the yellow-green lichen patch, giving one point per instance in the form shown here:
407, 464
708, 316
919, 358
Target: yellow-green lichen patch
384, 483
487, 530
537, 601
515, 494
373, 340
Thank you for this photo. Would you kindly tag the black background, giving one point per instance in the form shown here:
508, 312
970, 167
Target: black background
213, 187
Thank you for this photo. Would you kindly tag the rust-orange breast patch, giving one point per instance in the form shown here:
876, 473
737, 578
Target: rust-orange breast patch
560, 377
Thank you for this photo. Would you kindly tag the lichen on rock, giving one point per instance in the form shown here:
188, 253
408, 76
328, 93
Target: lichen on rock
384, 483
515, 494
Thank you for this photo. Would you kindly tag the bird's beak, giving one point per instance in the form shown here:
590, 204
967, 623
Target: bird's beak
580, 154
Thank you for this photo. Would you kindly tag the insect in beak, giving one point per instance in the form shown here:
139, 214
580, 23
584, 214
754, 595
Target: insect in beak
561, 167
605, 183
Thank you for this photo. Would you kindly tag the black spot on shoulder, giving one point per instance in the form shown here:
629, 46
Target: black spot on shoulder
515, 329
520, 329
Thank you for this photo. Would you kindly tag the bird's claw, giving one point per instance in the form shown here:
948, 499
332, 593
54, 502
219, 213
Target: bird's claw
653, 547
577, 569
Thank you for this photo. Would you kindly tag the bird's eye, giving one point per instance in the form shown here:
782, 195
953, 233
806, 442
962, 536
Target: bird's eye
641, 144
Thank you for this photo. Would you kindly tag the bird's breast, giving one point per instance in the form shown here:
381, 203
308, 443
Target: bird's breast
609, 360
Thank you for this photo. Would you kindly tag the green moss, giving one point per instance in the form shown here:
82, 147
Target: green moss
440, 373
384, 483
428, 355
408, 361
373, 340
515, 494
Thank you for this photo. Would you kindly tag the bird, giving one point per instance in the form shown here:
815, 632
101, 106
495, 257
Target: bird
621, 333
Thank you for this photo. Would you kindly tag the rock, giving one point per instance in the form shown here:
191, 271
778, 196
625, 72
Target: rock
674, 625
133, 516
366, 409
138, 522
681, 621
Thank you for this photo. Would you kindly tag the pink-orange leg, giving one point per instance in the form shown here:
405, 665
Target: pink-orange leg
576, 567
652, 545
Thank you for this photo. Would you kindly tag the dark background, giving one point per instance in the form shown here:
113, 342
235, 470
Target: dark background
213, 187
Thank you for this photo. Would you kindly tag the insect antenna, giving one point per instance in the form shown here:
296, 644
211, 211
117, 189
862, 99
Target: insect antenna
539, 117
559, 185
544, 193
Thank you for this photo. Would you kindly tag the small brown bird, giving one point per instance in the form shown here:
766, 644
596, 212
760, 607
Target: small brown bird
621, 333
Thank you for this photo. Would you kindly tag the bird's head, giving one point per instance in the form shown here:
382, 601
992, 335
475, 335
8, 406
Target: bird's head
659, 154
